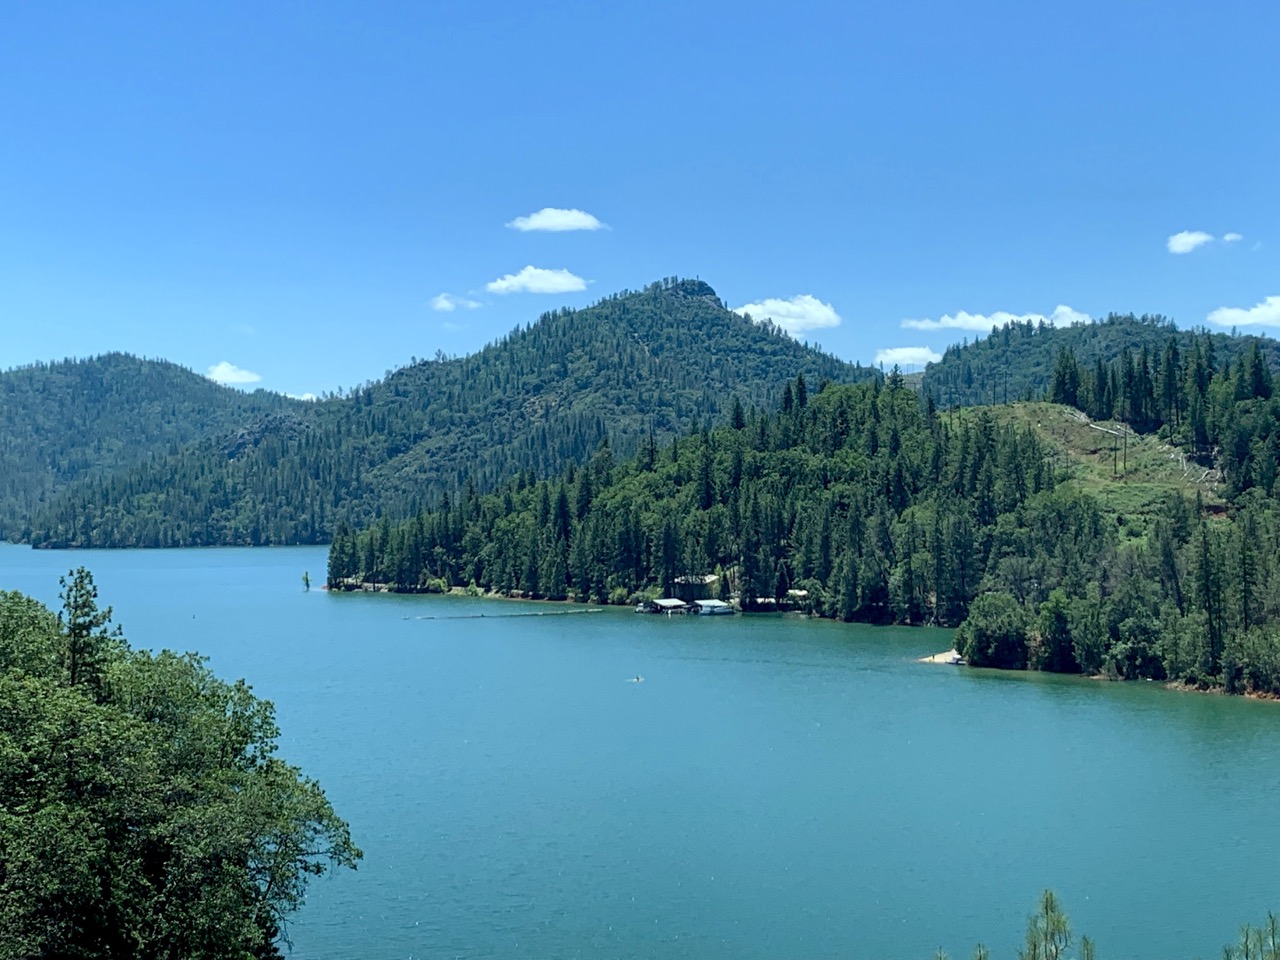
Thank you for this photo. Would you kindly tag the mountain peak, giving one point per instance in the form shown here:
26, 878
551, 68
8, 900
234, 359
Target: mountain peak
636, 365
693, 288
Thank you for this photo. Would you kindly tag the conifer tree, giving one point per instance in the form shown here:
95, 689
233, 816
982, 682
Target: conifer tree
87, 642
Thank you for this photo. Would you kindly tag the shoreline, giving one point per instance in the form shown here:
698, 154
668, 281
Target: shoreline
946, 657
951, 657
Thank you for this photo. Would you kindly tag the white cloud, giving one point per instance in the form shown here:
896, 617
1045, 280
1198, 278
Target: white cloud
556, 220
1266, 313
229, 373
301, 396
907, 356
1062, 316
1187, 240
537, 280
800, 313
1232, 237
449, 303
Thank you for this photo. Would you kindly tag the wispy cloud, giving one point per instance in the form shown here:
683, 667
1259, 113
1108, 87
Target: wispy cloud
796, 315
1266, 313
537, 280
1062, 316
224, 372
556, 220
448, 303
1187, 240
907, 356
1232, 237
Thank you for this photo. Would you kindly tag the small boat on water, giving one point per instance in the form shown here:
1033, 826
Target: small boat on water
636, 679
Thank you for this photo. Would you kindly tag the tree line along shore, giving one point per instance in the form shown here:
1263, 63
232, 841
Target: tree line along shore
875, 506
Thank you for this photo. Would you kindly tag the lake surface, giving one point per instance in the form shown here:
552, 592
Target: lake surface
776, 788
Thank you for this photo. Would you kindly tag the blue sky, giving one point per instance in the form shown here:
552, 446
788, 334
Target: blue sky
287, 189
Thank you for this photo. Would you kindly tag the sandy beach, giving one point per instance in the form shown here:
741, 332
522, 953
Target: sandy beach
949, 656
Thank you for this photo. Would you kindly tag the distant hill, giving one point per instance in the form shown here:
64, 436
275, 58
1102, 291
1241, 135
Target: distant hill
1016, 361
1143, 545
75, 420
657, 360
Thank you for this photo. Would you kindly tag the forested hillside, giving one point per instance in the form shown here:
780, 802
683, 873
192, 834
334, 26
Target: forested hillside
1016, 361
877, 508
79, 419
636, 364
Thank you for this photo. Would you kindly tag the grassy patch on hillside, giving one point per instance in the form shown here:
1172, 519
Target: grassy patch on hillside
1127, 473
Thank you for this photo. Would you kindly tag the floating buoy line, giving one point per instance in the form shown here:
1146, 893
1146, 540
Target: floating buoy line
503, 616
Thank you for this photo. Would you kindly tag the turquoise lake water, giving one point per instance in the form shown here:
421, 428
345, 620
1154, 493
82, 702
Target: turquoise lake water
776, 788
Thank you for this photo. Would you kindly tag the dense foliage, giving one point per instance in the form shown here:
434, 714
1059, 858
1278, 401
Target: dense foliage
143, 811
860, 495
864, 503
635, 364
77, 419
1016, 361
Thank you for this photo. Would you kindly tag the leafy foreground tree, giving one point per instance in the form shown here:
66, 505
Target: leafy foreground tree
143, 811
